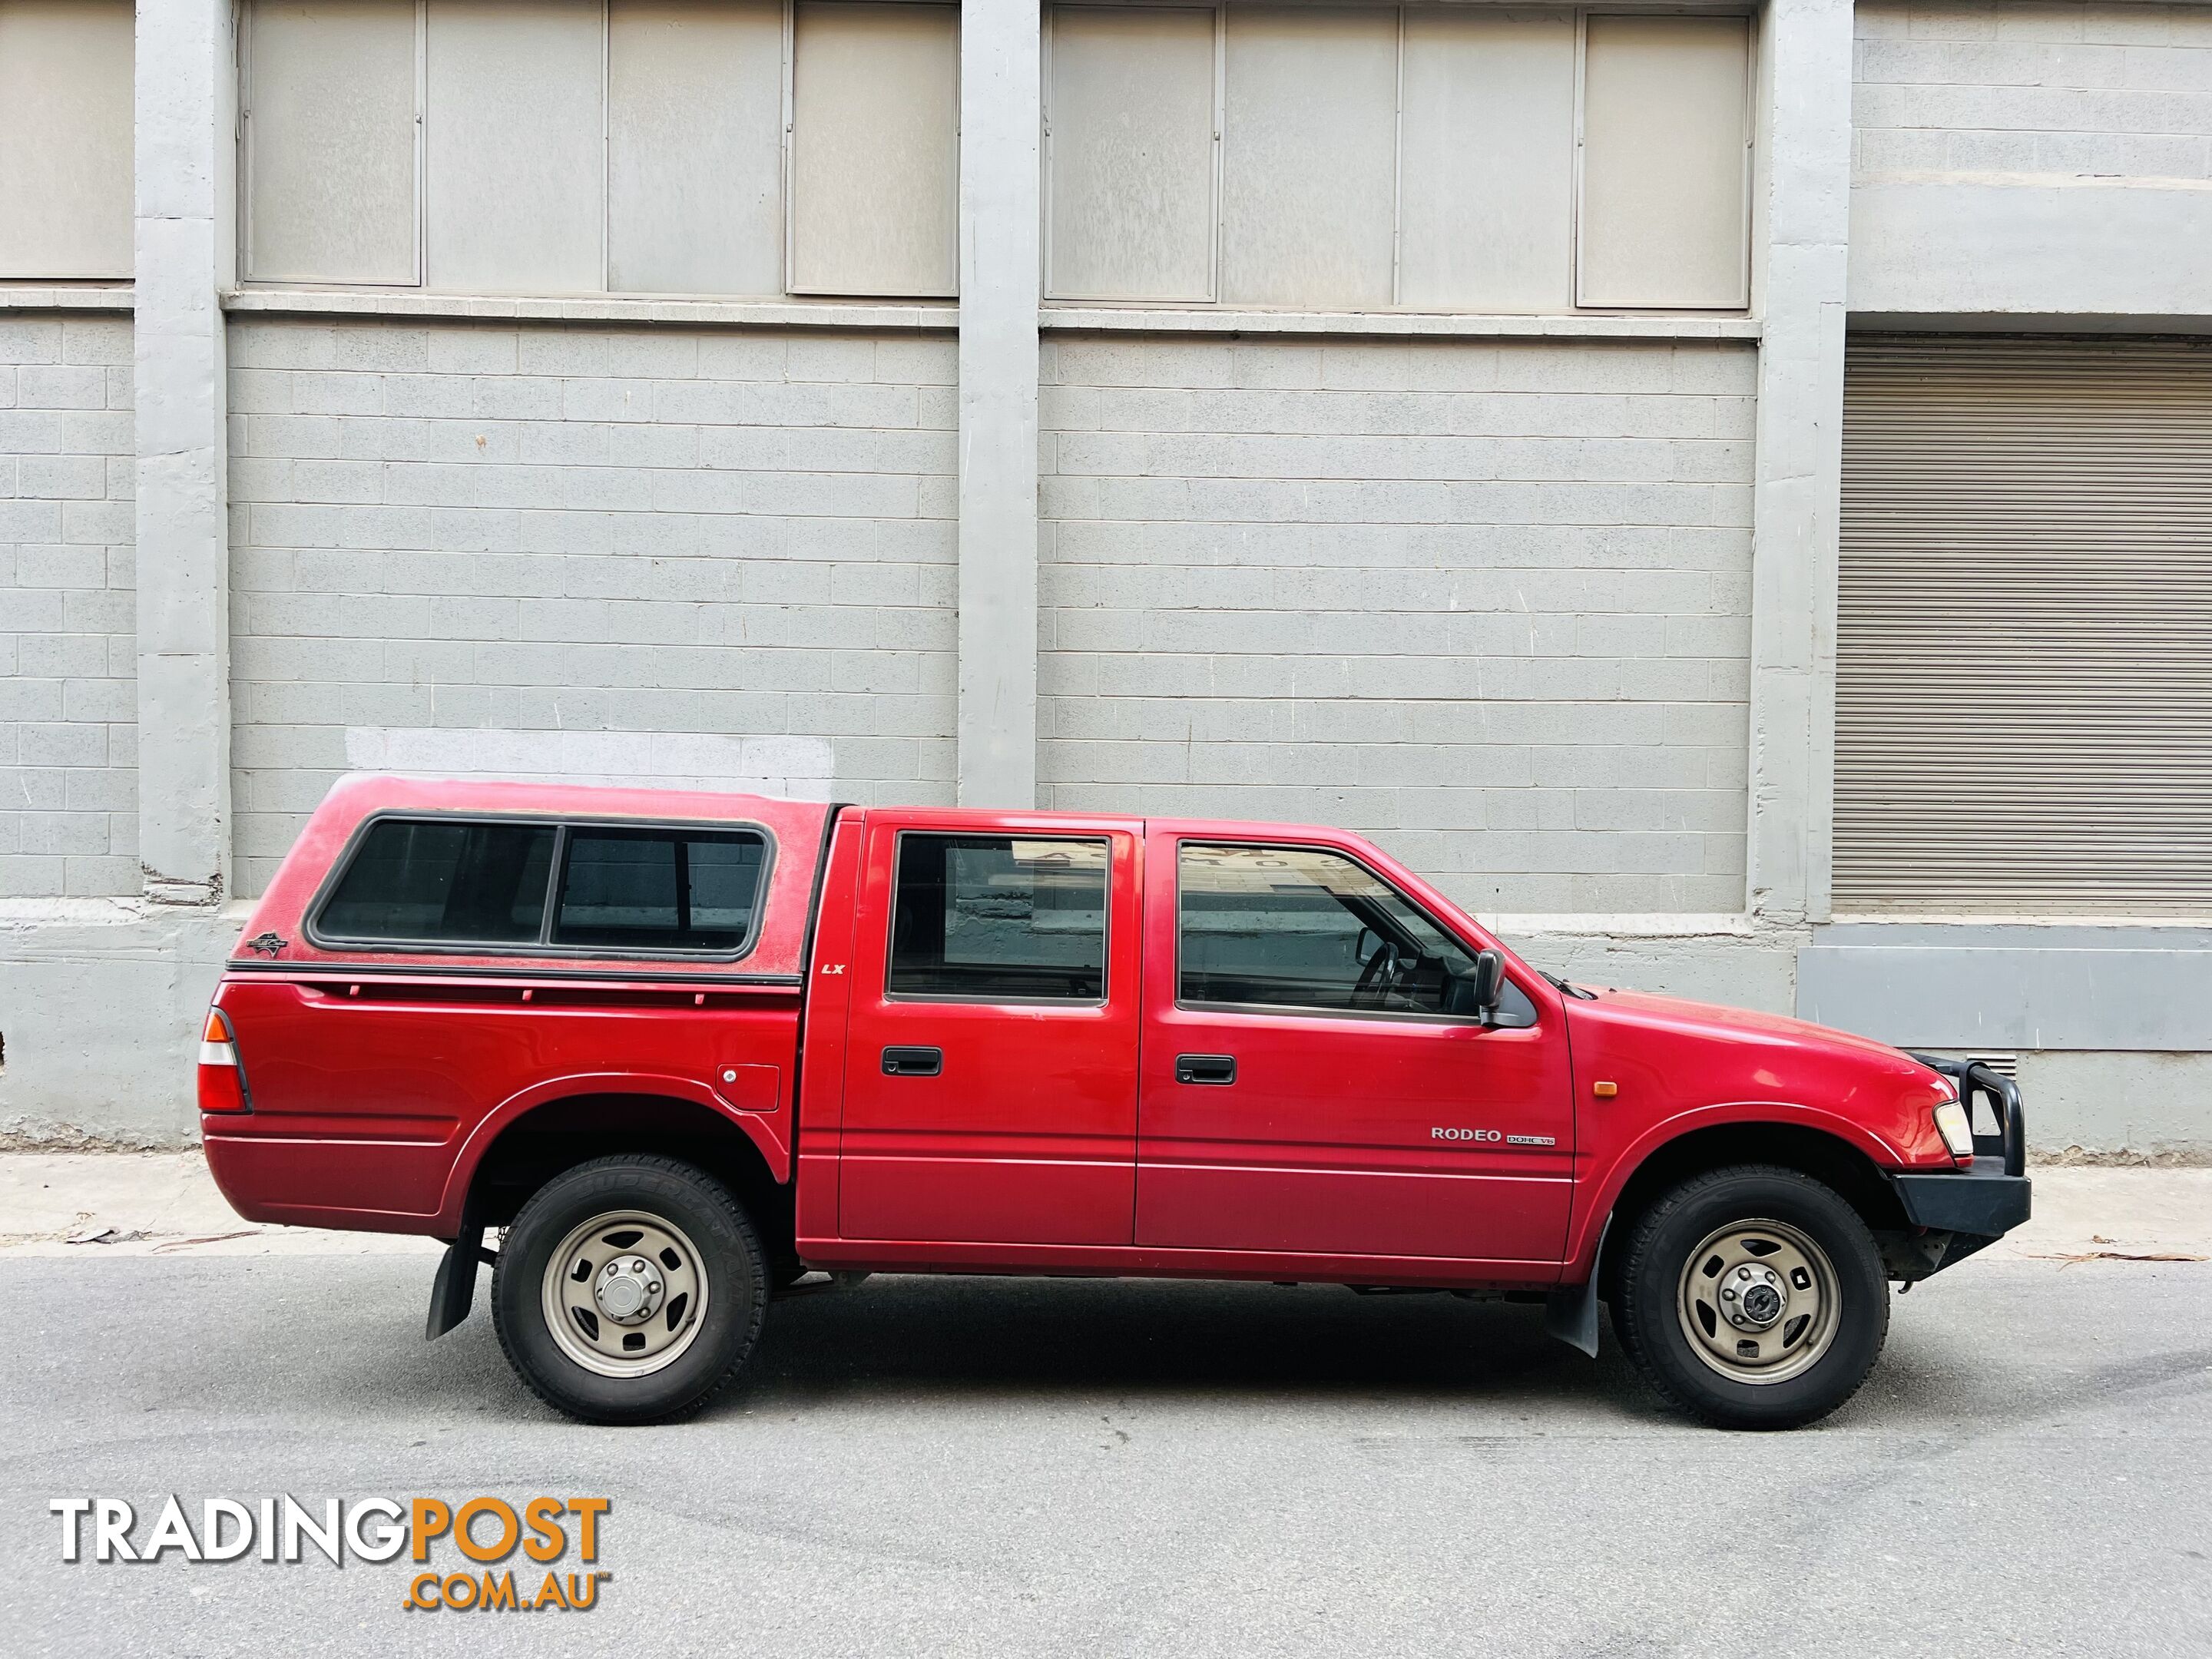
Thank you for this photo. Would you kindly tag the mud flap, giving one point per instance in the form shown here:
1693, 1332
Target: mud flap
454, 1292
1570, 1312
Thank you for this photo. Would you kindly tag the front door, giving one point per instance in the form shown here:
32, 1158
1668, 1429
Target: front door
991, 1092
1314, 1082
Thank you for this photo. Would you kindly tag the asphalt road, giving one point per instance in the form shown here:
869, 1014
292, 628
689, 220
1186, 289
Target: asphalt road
950, 1466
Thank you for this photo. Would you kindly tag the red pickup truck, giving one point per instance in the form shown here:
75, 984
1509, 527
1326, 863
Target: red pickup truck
680, 1049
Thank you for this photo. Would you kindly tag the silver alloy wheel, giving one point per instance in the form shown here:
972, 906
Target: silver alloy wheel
625, 1293
1758, 1301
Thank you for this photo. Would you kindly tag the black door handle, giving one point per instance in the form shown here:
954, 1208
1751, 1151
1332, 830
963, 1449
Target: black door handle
913, 1062
1206, 1068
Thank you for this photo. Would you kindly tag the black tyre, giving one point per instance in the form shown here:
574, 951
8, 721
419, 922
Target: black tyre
629, 1290
1753, 1297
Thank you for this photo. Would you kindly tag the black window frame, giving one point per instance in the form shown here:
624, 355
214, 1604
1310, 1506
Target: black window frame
1105, 919
1389, 1016
556, 868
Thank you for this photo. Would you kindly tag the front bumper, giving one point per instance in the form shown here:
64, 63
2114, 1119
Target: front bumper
1955, 1213
1982, 1198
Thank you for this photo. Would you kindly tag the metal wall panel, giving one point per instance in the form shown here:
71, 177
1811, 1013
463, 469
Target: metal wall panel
875, 163
330, 154
1130, 120
516, 173
66, 138
2024, 673
1309, 156
694, 146
1487, 161
1665, 163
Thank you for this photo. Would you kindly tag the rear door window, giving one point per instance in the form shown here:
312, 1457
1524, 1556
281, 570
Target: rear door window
999, 918
414, 881
658, 889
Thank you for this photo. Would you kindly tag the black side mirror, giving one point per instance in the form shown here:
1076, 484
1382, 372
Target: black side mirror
1489, 983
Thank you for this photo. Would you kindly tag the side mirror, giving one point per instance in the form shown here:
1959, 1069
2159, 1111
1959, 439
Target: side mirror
1488, 982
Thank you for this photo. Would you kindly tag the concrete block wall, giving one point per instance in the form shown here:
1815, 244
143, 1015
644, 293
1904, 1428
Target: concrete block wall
2043, 163
1488, 601
69, 824
2101, 91
456, 529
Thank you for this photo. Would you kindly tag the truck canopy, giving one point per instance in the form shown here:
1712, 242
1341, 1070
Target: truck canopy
768, 854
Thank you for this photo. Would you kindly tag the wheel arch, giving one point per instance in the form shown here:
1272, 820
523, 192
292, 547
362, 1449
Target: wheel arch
532, 1146
1827, 1157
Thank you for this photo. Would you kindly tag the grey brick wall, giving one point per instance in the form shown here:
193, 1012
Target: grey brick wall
1488, 601
2093, 89
539, 529
69, 823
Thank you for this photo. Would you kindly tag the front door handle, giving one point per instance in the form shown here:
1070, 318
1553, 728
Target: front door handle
1206, 1068
913, 1062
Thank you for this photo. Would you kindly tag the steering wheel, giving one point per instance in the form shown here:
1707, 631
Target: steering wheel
1378, 975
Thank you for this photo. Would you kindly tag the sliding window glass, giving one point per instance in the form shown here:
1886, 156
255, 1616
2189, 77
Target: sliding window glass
738, 148
1130, 136
875, 148
1425, 157
65, 138
999, 918
332, 143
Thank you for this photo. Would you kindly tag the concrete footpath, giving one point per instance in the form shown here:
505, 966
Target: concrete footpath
166, 1204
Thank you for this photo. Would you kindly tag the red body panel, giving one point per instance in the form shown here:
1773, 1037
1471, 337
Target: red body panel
1057, 1138
1326, 1144
1029, 1135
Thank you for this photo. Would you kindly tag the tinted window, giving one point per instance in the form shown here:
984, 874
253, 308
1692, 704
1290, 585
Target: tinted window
644, 890
1000, 916
443, 882
1292, 927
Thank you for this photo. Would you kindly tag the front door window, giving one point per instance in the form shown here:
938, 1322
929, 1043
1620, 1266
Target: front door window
1299, 928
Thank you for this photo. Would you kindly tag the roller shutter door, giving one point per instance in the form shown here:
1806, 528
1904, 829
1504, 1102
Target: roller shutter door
2024, 674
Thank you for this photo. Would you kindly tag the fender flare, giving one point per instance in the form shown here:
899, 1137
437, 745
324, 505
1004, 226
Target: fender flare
756, 1126
1590, 1223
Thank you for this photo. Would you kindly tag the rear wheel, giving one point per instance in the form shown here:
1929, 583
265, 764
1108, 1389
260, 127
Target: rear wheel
629, 1290
1752, 1297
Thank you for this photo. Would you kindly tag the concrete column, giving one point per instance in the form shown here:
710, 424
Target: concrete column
1000, 116
187, 115
1801, 244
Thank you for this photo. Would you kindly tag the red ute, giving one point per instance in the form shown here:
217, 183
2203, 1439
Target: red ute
684, 1048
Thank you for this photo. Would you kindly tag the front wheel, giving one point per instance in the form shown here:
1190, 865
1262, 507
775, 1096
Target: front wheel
629, 1290
1753, 1297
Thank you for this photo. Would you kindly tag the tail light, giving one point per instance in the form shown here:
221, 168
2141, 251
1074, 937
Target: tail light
222, 1081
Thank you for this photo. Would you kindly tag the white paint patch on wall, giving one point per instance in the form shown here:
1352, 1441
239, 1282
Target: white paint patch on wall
796, 768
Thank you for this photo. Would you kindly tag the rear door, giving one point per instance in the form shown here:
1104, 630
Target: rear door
991, 1050
1313, 1083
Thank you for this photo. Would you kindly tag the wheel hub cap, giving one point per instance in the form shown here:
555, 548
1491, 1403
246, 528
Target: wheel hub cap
629, 1290
1753, 1297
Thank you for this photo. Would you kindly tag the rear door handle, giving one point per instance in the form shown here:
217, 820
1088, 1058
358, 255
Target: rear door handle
913, 1062
1206, 1068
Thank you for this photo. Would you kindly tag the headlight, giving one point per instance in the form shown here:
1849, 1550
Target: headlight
1956, 1127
